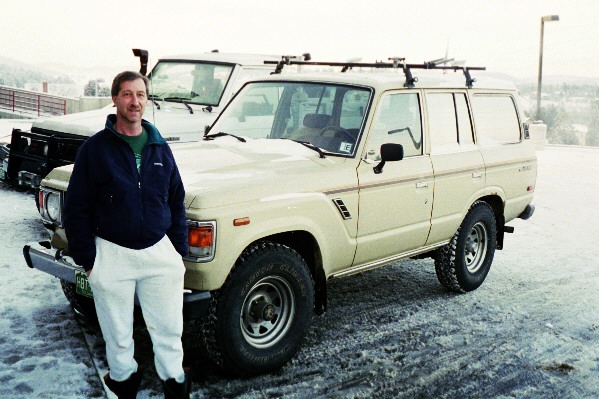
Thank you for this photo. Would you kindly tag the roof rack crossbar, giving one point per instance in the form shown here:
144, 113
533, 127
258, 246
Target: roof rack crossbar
396, 63
288, 60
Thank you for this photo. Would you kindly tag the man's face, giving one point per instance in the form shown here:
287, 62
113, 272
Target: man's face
131, 101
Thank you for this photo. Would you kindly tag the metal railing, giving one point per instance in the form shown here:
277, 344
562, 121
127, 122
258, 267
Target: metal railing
31, 103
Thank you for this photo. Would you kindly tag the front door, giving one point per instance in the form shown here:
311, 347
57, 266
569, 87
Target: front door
395, 205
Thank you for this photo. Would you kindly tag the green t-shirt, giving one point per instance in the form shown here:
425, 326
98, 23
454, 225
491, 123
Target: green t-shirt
137, 144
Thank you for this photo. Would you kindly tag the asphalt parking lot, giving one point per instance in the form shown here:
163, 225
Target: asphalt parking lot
530, 331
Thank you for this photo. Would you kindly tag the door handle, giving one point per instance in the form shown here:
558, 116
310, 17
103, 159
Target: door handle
476, 175
421, 184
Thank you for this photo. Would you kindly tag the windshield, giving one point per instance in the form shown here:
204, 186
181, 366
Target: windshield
195, 83
325, 115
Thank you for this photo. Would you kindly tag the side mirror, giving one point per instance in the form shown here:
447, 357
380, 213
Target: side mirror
143, 60
389, 152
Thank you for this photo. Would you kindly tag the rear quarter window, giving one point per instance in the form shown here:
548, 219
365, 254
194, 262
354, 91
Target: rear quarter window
496, 119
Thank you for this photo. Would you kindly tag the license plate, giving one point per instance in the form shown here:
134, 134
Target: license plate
82, 286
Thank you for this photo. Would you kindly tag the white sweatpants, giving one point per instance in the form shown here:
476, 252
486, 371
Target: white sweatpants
156, 275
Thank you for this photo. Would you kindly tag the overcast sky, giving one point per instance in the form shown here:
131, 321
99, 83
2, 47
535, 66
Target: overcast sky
502, 35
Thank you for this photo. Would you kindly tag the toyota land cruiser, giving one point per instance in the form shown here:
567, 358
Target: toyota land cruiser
306, 178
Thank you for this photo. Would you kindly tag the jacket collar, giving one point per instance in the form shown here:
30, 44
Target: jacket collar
154, 136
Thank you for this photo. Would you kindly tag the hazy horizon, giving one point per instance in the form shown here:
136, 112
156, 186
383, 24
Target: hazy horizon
501, 35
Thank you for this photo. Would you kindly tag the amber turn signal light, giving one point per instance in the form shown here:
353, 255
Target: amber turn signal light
200, 236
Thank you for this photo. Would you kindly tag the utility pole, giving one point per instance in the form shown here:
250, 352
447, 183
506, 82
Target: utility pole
547, 18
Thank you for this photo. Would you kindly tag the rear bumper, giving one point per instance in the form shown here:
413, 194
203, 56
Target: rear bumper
527, 213
41, 256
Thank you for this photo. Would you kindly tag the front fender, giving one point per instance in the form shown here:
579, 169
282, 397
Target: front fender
313, 213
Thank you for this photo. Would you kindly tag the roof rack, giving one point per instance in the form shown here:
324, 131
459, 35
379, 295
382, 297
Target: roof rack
397, 62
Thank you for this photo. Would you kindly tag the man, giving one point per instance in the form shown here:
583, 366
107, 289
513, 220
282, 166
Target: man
125, 224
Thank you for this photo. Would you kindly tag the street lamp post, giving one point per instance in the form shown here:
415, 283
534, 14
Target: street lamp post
547, 18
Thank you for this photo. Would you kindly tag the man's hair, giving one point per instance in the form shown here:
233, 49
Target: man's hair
126, 76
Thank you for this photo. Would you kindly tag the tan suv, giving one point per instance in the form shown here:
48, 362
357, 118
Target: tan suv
310, 177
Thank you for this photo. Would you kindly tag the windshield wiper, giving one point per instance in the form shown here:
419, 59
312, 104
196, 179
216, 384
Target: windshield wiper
181, 100
310, 146
221, 134
154, 98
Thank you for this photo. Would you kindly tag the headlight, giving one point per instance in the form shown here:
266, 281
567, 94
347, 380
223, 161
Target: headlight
53, 206
50, 202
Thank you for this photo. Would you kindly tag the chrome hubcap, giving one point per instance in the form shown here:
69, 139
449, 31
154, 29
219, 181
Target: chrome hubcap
267, 312
476, 247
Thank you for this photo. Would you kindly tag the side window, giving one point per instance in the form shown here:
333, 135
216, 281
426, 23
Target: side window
465, 135
496, 119
449, 122
398, 121
442, 124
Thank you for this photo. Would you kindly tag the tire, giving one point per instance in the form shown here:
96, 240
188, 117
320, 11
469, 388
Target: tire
80, 304
463, 264
258, 319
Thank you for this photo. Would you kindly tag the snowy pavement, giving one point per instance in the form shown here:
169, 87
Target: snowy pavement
530, 331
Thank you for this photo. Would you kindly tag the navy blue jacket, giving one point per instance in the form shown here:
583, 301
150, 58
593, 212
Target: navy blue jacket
108, 198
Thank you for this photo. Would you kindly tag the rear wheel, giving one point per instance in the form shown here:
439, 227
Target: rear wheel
260, 316
463, 264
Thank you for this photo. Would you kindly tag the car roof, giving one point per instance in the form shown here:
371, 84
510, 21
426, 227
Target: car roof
230, 58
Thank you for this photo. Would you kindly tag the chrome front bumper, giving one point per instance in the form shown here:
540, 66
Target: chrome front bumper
41, 256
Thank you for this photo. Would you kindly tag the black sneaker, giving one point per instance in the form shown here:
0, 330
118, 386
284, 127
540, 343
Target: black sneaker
124, 389
178, 390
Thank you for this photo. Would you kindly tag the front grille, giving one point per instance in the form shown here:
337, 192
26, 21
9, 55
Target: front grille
40, 151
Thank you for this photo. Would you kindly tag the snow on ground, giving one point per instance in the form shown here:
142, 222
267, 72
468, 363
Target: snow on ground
530, 331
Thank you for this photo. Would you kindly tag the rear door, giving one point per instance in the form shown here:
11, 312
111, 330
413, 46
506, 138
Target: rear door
457, 163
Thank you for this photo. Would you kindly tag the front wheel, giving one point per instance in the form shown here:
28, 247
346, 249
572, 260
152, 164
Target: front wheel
260, 316
80, 304
463, 264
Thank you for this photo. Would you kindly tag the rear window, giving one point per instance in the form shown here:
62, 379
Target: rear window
496, 119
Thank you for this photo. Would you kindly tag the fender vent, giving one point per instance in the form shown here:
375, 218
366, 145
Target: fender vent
342, 208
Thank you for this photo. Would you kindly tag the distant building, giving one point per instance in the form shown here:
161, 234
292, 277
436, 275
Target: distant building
581, 132
58, 89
